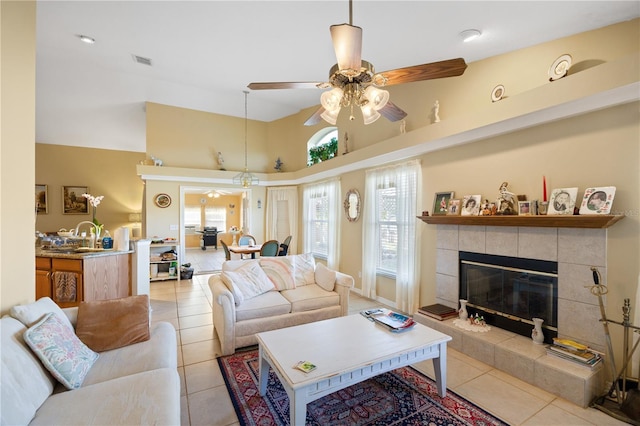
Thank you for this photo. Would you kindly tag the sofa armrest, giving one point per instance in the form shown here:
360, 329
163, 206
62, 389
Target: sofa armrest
224, 314
72, 314
343, 286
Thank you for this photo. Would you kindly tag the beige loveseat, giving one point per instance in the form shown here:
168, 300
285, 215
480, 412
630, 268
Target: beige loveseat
319, 293
136, 384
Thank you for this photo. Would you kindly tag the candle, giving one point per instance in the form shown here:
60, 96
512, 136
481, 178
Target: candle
544, 188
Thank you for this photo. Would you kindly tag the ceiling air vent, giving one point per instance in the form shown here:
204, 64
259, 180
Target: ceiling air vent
142, 60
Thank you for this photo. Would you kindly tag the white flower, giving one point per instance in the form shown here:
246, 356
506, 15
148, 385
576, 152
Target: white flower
94, 201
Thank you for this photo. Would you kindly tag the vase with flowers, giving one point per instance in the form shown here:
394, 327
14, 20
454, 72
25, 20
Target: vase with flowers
95, 202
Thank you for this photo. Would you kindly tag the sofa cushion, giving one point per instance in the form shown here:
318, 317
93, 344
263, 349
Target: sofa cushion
60, 350
280, 272
232, 265
268, 304
310, 297
247, 282
104, 325
303, 269
26, 384
33, 312
149, 398
325, 277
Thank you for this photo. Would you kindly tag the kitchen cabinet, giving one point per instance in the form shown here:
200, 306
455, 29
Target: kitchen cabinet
163, 268
70, 279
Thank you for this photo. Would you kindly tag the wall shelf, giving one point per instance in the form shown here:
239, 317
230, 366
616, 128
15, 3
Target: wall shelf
551, 221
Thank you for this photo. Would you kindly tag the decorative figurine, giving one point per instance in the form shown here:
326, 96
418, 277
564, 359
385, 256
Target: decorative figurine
346, 143
436, 112
156, 161
221, 161
278, 166
506, 201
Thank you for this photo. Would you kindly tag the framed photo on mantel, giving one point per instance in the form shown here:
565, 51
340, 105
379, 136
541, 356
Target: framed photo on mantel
441, 203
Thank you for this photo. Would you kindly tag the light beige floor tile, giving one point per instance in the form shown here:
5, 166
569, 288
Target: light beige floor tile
184, 411
195, 321
196, 334
211, 407
490, 393
198, 352
164, 315
172, 321
181, 303
553, 415
180, 362
194, 310
203, 375
592, 415
458, 372
166, 296
533, 390
181, 295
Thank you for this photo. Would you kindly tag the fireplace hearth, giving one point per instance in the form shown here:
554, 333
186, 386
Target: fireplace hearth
509, 291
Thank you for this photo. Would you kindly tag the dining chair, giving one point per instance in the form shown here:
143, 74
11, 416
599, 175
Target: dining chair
284, 247
247, 240
270, 248
227, 253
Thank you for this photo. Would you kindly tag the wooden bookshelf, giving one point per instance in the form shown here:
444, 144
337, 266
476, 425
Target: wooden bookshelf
551, 221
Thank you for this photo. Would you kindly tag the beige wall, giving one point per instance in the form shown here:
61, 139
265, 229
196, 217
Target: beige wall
17, 172
105, 172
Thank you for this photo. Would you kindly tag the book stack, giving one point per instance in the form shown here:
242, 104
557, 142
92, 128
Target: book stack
573, 351
394, 321
438, 311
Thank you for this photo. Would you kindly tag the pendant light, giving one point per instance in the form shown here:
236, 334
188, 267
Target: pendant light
245, 179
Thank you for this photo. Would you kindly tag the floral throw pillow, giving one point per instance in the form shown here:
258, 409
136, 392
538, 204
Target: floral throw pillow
280, 272
62, 353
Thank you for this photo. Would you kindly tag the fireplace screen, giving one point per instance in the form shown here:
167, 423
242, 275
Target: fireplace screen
510, 291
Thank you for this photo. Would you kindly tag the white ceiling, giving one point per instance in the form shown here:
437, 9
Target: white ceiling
204, 53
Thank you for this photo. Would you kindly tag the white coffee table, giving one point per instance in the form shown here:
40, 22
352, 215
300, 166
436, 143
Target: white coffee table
346, 350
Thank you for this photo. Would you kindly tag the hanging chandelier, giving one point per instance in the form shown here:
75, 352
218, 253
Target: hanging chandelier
245, 179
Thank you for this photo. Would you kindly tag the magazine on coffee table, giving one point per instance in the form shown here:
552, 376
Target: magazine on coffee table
394, 321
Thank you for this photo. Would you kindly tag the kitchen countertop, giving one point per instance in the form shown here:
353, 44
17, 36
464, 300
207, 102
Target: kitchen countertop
71, 254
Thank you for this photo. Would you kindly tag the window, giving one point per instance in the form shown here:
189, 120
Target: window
322, 221
322, 145
215, 216
192, 216
388, 225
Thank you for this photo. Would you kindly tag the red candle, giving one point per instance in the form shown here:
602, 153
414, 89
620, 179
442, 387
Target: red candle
544, 188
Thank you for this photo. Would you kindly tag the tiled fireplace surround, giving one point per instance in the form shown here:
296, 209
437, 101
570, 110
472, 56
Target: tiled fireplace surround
576, 250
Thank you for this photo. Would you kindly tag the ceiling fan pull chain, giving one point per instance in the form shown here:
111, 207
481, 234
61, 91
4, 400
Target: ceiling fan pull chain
351, 117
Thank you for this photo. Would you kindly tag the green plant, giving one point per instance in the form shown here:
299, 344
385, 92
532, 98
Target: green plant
323, 152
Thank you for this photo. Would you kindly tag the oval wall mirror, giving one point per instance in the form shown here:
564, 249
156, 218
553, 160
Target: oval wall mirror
352, 205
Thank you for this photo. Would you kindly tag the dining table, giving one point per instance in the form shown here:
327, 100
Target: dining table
249, 249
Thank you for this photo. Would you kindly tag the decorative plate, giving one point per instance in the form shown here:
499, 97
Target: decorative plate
560, 67
162, 200
497, 93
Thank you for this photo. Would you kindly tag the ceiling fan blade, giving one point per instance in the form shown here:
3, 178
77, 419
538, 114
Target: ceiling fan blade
448, 68
315, 118
347, 43
391, 112
287, 85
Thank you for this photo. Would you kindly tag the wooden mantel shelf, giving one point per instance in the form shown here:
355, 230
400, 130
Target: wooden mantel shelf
584, 221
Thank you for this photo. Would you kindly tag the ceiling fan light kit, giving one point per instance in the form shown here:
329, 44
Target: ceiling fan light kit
245, 179
354, 82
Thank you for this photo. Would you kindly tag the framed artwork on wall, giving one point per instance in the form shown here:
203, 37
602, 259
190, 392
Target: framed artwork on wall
597, 200
72, 200
42, 204
441, 202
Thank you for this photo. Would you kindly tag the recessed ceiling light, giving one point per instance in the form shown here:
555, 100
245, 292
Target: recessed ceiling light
468, 35
87, 39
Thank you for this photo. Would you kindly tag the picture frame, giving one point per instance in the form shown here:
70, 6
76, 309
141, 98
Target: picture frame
441, 203
42, 199
597, 200
162, 200
453, 209
72, 200
562, 201
471, 205
524, 208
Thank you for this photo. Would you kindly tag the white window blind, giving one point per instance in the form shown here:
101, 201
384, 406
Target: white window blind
215, 216
322, 221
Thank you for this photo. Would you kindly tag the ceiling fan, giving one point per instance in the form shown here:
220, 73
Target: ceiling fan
354, 82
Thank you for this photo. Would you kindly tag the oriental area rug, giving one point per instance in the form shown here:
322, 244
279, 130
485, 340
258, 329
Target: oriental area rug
400, 397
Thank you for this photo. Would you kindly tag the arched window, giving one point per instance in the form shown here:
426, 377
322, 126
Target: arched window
322, 145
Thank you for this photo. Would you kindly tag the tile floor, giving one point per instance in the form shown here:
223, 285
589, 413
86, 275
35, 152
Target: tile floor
205, 401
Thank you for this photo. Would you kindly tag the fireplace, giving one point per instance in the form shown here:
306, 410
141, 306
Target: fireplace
509, 291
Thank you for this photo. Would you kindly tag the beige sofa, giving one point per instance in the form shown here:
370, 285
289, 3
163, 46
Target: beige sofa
133, 385
237, 323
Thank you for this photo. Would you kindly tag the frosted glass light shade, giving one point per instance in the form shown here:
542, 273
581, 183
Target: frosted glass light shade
369, 114
378, 98
330, 100
330, 116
